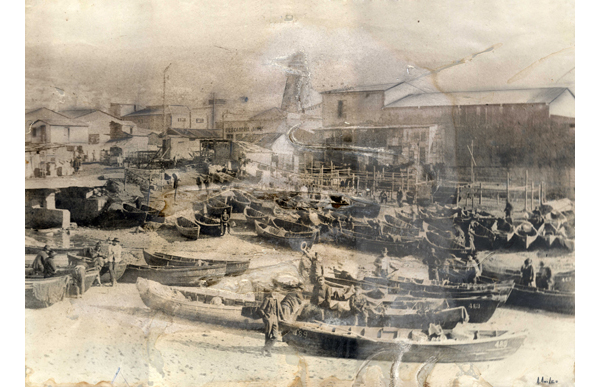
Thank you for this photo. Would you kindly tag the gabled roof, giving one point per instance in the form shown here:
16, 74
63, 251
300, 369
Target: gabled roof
158, 110
52, 118
270, 114
489, 97
268, 140
78, 113
363, 88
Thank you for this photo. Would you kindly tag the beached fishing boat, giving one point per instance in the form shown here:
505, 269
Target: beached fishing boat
447, 245
524, 236
396, 245
201, 304
208, 225
480, 300
143, 215
391, 343
175, 275
161, 259
239, 201
535, 298
281, 236
187, 228
44, 292
252, 214
86, 260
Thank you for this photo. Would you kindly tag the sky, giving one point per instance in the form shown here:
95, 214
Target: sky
82, 53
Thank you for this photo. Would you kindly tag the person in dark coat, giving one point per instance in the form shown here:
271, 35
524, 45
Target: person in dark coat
546, 281
49, 265
383, 197
528, 273
433, 264
271, 313
175, 186
508, 211
225, 229
40, 259
291, 304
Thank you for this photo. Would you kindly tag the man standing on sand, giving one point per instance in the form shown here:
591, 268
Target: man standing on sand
528, 273
225, 223
271, 313
40, 260
114, 257
508, 210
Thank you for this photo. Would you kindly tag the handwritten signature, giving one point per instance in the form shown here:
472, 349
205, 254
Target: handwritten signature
546, 381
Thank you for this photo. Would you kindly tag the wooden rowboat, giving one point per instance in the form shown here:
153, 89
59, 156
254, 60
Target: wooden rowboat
120, 267
174, 275
209, 226
281, 236
525, 235
44, 292
203, 304
187, 228
144, 215
251, 215
392, 343
550, 300
161, 259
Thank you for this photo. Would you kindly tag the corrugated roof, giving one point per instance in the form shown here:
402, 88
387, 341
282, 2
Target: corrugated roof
196, 133
158, 110
52, 118
490, 97
379, 87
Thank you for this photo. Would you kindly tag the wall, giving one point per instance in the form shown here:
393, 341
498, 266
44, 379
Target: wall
204, 115
153, 122
40, 218
179, 120
359, 108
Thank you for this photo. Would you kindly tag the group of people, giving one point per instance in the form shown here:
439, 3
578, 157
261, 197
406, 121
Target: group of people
401, 197
44, 263
528, 276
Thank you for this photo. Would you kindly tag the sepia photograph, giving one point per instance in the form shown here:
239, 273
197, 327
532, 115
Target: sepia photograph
303, 194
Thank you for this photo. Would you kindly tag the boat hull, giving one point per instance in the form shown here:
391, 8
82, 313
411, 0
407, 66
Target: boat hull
174, 276
333, 342
223, 315
233, 268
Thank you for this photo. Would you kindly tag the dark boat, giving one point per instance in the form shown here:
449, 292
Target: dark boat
174, 275
239, 202
251, 215
447, 245
82, 259
409, 228
391, 343
44, 292
143, 215
202, 304
161, 259
187, 228
525, 235
504, 233
208, 225
280, 236
359, 208
396, 245
535, 298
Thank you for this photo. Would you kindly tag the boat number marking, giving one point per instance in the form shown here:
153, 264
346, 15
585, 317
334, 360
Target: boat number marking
301, 333
474, 306
501, 344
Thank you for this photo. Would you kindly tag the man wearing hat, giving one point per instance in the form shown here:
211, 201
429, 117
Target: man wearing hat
114, 257
528, 273
40, 259
49, 265
271, 313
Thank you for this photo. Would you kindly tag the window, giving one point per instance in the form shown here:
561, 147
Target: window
181, 120
131, 130
340, 109
423, 136
230, 137
34, 132
199, 120
94, 138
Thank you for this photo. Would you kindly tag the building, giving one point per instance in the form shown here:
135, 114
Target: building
45, 126
517, 129
122, 109
158, 119
99, 124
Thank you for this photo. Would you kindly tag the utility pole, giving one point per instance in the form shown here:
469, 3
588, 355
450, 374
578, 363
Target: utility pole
165, 99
